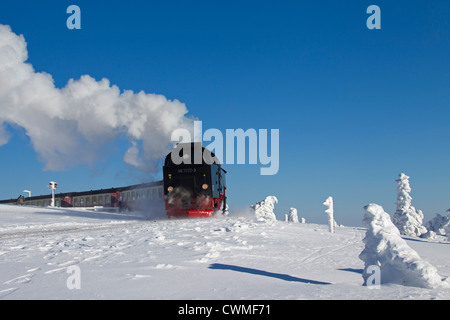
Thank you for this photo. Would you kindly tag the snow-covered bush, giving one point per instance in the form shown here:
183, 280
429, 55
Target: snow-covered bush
330, 213
429, 235
293, 215
264, 209
447, 226
406, 218
385, 248
447, 230
437, 224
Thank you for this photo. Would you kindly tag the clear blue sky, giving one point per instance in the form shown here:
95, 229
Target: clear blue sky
355, 107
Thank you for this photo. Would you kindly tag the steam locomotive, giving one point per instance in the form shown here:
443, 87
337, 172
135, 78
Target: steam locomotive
190, 188
194, 182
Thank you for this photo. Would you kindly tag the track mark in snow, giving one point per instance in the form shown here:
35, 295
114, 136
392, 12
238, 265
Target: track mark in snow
324, 251
93, 258
5, 292
141, 276
20, 279
66, 263
56, 270
166, 266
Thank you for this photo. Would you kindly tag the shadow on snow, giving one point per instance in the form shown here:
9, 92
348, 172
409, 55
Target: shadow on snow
285, 277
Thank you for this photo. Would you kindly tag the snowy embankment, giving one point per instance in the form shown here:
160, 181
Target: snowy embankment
122, 257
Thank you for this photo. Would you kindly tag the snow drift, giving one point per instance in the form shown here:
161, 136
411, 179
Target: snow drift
398, 263
75, 125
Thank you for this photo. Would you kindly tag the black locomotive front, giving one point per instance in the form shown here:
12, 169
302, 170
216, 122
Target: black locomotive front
194, 182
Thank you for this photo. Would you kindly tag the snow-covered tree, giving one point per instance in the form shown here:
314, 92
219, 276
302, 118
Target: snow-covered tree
437, 224
398, 263
293, 215
406, 218
264, 209
330, 212
447, 226
447, 230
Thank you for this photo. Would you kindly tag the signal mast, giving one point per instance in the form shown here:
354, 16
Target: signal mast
52, 186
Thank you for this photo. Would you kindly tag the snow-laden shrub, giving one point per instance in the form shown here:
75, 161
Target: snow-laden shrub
447, 226
407, 218
447, 230
385, 248
264, 209
293, 215
429, 235
330, 213
437, 224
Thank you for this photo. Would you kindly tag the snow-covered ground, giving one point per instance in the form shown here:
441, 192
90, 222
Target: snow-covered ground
125, 257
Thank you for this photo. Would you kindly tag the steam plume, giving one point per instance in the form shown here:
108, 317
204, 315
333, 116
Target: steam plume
72, 126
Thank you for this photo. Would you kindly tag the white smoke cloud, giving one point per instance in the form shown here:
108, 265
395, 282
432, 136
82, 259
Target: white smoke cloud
72, 126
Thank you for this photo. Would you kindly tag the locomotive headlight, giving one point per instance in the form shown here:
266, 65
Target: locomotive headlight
204, 186
170, 188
